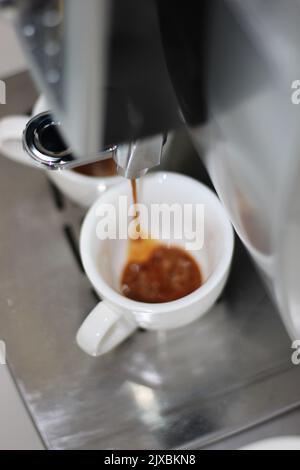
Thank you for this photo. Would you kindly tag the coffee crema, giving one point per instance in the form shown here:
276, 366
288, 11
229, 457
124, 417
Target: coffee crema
103, 168
168, 273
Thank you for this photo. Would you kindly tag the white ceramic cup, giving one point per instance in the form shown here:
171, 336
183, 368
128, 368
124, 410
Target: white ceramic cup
81, 189
117, 317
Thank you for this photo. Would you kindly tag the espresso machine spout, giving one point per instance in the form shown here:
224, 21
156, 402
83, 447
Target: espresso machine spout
43, 142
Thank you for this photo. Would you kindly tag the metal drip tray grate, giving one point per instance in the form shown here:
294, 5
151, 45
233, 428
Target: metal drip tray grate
182, 389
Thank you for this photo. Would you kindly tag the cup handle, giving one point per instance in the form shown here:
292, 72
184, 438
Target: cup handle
11, 131
103, 330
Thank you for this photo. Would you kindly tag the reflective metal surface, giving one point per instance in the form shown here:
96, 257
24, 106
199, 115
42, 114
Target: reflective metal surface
43, 142
182, 389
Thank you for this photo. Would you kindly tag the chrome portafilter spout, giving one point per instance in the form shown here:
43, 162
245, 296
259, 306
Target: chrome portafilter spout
43, 141
135, 159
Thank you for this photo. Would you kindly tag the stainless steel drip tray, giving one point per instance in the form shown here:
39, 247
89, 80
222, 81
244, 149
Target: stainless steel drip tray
181, 389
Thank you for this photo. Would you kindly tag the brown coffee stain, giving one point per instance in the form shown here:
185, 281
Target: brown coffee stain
103, 168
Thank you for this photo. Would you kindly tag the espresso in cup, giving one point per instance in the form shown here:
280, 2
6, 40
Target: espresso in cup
168, 273
156, 272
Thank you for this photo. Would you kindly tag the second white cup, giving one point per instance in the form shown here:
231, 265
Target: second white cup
82, 189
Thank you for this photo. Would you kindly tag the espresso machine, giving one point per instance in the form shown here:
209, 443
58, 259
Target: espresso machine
121, 74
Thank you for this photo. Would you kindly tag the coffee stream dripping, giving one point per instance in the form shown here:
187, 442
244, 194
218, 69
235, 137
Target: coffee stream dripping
140, 247
156, 272
135, 199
